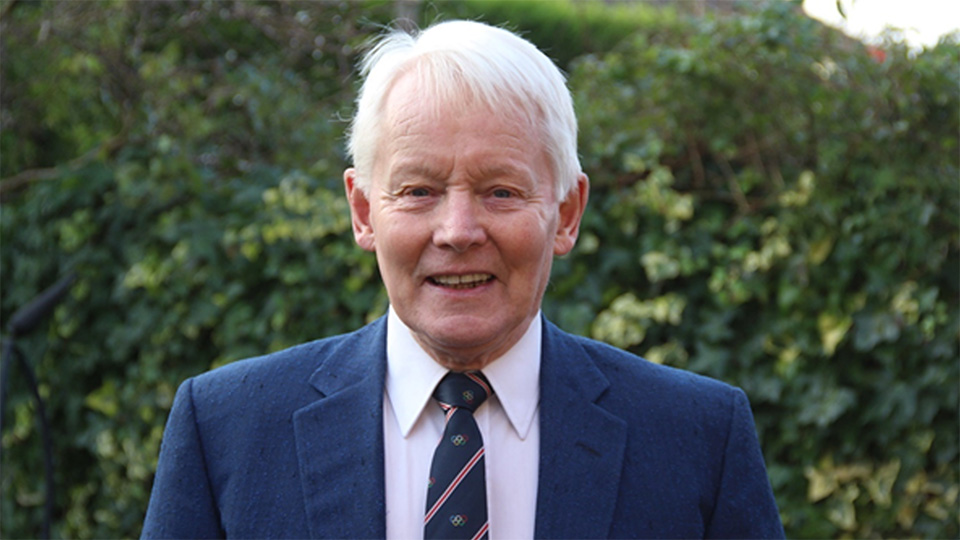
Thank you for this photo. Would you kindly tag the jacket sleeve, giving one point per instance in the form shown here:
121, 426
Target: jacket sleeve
744, 506
182, 503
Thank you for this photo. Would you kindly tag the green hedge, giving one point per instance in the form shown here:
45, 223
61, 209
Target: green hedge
775, 208
770, 206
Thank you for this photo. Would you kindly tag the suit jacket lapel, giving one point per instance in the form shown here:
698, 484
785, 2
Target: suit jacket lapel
581, 445
340, 439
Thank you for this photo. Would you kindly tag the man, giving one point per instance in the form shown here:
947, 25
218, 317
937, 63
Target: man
466, 184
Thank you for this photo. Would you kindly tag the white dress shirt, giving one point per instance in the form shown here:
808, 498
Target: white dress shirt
508, 422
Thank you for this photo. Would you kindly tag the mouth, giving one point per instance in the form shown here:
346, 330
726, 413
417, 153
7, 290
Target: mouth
464, 281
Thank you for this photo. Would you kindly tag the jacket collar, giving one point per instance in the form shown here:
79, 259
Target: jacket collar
340, 439
582, 446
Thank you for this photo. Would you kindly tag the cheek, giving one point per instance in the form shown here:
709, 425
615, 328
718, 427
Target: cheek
529, 244
399, 242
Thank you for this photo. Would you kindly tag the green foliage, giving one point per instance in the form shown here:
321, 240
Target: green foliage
770, 206
207, 225
563, 30
788, 208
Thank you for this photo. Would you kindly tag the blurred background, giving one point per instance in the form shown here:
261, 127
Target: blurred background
775, 204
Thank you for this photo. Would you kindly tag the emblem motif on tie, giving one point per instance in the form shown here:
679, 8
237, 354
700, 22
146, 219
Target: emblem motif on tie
457, 493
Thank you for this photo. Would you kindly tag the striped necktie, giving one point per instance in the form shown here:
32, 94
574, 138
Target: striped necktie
457, 494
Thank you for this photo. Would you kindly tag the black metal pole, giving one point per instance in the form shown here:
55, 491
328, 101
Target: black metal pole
45, 439
8, 348
23, 321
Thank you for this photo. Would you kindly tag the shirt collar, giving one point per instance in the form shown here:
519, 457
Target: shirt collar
412, 375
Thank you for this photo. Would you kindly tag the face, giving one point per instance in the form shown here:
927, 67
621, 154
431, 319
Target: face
464, 220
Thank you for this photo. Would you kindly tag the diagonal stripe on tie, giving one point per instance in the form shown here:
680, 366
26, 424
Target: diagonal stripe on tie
456, 497
477, 459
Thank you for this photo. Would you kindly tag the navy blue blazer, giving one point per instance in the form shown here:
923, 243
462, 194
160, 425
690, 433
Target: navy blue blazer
290, 445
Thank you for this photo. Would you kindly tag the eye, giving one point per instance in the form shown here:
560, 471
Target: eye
419, 192
502, 193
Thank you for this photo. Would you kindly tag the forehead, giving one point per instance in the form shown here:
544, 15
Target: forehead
419, 128
416, 97
425, 133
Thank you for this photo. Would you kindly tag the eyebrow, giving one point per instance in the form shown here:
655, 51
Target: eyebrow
494, 171
485, 170
416, 169
497, 170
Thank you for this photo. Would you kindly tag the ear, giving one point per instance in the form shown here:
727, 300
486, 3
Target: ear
359, 210
571, 211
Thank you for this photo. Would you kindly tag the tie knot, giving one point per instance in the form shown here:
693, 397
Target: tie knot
464, 390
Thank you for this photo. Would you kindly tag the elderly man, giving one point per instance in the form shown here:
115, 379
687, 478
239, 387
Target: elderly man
466, 184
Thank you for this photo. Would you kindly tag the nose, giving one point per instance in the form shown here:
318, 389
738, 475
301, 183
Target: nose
460, 223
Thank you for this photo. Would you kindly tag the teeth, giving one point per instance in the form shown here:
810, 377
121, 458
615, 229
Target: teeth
467, 280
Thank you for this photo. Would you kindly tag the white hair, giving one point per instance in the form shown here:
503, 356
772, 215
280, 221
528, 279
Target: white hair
462, 60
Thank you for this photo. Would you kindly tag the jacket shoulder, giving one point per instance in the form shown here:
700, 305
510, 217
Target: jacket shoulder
629, 373
278, 369
276, 384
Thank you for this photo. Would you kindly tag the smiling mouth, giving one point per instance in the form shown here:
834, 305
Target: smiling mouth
466, 281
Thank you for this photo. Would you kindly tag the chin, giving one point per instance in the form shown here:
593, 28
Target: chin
468, 339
